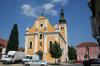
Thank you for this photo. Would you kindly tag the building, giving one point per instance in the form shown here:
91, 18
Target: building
3, 44
87, 50
39, 37
94, 6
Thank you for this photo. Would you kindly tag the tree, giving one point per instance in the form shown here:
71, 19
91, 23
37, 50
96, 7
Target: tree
13, 41
55, 50
72, 53
40, 53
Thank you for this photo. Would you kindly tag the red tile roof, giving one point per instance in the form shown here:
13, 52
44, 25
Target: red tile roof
3, 42
89, 44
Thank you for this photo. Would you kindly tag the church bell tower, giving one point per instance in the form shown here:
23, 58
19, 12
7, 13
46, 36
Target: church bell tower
63, 31
63, 25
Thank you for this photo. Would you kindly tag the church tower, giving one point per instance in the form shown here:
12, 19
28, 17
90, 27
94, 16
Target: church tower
63, 25
63, 30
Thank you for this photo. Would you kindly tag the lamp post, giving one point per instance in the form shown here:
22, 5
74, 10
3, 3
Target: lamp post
95, 30
94, 22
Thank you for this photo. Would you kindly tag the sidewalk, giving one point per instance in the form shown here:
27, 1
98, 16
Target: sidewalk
71, 64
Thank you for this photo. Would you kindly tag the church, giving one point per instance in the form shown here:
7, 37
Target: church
41, 34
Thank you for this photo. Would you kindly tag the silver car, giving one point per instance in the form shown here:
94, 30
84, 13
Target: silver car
36, 63
26, 59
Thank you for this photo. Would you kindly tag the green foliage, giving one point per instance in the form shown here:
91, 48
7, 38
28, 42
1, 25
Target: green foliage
13, 42
55, 50
40, 53
72, 53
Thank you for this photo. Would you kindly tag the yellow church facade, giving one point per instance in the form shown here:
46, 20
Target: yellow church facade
42, 34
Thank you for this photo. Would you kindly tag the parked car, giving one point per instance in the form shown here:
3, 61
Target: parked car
26, 59
36, 63
91, 61
97, 61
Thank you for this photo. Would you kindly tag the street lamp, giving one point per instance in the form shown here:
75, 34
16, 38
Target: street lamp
95, 31
94, 22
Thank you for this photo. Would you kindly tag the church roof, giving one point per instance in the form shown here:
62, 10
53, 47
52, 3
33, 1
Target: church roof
34, 28
62, 21
87, 44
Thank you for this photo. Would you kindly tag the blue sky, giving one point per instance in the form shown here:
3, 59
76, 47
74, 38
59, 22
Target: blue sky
25, 12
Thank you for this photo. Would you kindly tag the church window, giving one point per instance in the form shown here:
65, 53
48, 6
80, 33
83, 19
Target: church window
30, 46
41, 25
50, 42
62, 28
40, 36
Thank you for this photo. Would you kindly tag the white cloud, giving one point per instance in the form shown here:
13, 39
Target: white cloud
54, 12
60, 1
49, 9
28, 10
56, 1
48, 6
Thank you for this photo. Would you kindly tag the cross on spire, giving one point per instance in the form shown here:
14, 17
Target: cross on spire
42, 12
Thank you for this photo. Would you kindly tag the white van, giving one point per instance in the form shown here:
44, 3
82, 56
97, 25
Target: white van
13, 56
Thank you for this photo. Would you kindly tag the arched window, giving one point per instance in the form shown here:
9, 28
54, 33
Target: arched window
50, 42
62, 28
50, 45
40, 36
41, 25
30, 45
